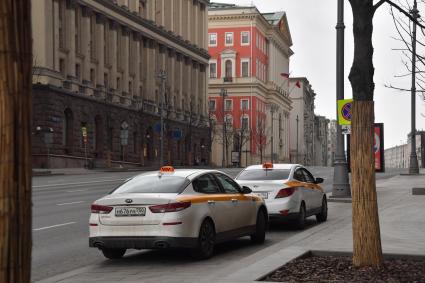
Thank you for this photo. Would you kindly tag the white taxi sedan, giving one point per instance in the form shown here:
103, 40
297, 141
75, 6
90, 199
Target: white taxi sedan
176, 208
290, 191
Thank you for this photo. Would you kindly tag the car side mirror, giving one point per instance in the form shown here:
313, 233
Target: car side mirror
246, 190
319, 180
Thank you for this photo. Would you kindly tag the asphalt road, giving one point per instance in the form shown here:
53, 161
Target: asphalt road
61, 208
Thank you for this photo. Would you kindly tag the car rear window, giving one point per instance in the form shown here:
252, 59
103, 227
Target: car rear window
264, 174
153, 184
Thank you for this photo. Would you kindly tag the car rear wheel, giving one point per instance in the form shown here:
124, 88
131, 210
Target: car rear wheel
113, 253
260, 228
300, 221
323, 215
206, 241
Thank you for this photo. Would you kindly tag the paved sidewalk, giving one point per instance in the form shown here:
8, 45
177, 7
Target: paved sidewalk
402, 224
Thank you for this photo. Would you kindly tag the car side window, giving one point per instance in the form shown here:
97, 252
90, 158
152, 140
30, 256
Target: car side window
299, 176
229, 186
206, 184
308, 177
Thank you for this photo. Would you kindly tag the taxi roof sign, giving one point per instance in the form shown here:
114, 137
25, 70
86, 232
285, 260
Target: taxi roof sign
166, 169
268, 165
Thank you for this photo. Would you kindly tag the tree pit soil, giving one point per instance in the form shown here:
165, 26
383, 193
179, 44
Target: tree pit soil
341, 269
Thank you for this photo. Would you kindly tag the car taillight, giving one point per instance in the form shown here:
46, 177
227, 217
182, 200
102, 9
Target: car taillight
170, 207
102, 209
283, 193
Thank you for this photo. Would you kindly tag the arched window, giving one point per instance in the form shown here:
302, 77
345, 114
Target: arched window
229, 67
229, 121
67, 129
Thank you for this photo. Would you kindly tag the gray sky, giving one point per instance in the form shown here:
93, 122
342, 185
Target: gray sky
312, 27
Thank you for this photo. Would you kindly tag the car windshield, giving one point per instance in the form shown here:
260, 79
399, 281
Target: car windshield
264, 174
153, 184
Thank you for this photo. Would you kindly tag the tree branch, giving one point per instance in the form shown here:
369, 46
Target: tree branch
400, 10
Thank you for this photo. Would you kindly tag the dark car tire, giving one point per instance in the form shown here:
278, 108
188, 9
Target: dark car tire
113, 253
260, 228
206, 241
300, 221
323, 215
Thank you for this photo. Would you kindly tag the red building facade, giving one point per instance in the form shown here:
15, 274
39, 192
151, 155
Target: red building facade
240, 42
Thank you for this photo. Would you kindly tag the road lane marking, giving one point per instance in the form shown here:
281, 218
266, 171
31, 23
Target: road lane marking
53, 226
74, 191
68, 203
78, 184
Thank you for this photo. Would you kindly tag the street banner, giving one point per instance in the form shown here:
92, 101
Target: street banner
344, 111
378, 148
84, 133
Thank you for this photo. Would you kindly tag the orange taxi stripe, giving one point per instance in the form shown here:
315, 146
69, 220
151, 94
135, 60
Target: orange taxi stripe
305, 185
217, 197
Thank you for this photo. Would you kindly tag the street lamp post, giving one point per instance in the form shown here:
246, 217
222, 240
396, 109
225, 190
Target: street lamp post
341, 186
273, 108
223, 94
162, 76
297, 139
413, 166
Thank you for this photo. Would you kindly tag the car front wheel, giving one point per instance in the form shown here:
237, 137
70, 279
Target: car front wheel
323, 215
113, 253
260, 228
206, 241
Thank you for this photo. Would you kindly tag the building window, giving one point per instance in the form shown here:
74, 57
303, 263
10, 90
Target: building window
244, 104
62, 21
229, 38
212, 39
130, 88
62, 66
67, 128
78, 71
77, 30
118, 84
213, 70
212, 105
245, 38
228, 105
229, 68
106, 81
245, 122
92, 37
92, 76
228, 121
245, 68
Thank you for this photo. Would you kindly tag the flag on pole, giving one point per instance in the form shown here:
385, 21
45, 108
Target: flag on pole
298, 84
285, 75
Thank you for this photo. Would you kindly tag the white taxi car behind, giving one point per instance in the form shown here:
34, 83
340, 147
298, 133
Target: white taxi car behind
176, 208
290, 191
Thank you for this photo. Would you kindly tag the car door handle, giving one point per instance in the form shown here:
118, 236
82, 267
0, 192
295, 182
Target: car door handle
234, 200
211, 202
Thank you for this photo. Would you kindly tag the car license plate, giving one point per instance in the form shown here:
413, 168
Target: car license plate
130, 211
264, 195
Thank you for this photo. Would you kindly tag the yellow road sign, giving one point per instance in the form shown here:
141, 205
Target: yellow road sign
344, 111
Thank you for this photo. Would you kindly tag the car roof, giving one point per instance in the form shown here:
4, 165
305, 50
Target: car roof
287, 166
185, 173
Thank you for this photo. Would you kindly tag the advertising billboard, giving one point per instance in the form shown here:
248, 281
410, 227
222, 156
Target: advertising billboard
378, 148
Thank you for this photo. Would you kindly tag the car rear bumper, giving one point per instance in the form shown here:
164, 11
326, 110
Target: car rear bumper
277, 216
142, 242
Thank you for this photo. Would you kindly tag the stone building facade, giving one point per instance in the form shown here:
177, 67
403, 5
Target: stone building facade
331, 142
321, 133
97, 91
302, 121
399, 155
249, 52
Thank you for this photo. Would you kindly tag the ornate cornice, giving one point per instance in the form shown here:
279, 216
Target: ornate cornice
152, 26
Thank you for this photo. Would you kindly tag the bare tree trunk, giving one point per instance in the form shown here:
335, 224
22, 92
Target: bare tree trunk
15, 140
366, 235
